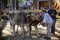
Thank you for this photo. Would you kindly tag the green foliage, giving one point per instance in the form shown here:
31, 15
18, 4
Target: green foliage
20, 1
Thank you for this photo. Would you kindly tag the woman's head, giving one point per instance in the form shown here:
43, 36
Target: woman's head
42, 13
51, 6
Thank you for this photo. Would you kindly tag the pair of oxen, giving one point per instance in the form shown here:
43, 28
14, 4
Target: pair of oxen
23, 19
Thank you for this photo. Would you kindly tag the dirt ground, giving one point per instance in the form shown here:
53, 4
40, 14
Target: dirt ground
6, 32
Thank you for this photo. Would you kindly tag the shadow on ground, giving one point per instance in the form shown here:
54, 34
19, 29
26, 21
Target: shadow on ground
4, 23
34, 37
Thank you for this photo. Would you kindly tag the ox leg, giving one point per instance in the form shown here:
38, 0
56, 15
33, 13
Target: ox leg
13, 27
36, 29
23, 32
29, 31
14, 30
17, 29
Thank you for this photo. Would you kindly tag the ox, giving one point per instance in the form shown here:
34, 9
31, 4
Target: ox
21, 19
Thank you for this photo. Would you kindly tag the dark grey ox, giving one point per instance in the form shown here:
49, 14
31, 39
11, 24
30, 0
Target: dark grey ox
18, 19
21, 19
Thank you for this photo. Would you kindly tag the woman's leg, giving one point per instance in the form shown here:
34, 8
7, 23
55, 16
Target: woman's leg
48, 30
53, 27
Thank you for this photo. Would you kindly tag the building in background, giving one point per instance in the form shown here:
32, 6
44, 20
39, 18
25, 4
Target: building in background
57, 4
44, 4
37, 4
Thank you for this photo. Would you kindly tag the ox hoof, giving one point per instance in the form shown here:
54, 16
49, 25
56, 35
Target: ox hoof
23, 37
30, 36
14, 34
38, 36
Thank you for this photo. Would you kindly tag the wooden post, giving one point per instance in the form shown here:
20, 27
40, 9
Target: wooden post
0, 8
16, 4
13, 4
49, 3
35, 4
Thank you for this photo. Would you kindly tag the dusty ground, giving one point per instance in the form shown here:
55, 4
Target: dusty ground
6, 33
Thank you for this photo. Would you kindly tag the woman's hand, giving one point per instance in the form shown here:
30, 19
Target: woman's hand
43, 24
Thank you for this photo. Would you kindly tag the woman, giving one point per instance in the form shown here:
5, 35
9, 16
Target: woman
48, 21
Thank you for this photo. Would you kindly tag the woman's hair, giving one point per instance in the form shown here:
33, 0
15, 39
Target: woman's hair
43, 10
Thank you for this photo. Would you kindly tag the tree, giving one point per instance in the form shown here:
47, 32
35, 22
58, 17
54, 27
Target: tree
19, 1
35, 4
4, 2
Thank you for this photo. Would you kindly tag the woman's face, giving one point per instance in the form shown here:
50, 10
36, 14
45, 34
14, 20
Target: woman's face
42, 13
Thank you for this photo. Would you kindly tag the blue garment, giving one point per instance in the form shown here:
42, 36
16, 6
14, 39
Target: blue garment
47, 18
53, 26
50, 12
